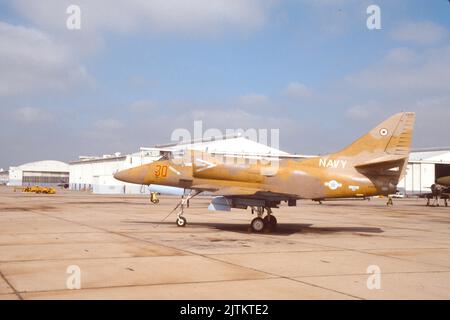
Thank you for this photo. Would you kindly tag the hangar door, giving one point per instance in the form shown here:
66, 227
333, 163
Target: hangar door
44, 178
442, 170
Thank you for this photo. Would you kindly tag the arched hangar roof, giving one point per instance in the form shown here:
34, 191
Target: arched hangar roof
45, 166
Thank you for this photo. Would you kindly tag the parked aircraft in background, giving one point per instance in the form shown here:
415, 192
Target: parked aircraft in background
370, 166
439, 190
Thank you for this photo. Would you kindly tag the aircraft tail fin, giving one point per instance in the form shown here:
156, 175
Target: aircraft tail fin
383, 151
401, 138
391, 137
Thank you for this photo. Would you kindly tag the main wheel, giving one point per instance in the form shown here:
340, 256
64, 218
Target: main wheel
257, 225
270, 221
181, 222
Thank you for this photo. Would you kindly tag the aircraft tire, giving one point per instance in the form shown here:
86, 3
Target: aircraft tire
181, 222
270, 221
257, 224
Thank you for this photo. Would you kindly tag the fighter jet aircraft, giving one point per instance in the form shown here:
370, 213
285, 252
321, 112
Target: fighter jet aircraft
439, 190
370, 166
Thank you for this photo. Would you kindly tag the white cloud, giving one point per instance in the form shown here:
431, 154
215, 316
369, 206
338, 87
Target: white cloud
401, 56
297, 90
31, 61
421, 33
404, 80
194, 17
232, 119
428, 75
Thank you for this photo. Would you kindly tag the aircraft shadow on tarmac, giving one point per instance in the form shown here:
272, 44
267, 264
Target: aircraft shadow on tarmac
335, 203
282, 229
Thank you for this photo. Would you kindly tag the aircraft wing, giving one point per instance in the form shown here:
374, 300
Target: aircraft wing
242, 197
226, 191
238, 191
204, 187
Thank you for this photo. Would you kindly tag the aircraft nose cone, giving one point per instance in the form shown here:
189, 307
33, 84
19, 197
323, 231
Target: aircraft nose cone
133, 175
121, 175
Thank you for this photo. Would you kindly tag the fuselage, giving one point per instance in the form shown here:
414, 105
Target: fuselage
314, 178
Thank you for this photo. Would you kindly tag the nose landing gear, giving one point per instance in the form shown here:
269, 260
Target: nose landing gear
181, 221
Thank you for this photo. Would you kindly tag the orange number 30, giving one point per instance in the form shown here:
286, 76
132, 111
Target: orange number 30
161, 171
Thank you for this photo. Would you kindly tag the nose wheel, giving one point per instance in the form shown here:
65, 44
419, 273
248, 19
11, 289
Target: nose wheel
181, 221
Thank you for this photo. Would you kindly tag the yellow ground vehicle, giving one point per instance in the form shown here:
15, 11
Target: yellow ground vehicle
39, 189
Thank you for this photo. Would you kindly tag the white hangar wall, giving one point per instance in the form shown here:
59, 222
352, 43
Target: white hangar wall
96, 173
424, 167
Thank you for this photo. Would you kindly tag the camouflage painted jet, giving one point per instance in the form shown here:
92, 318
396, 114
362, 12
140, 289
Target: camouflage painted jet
370, 166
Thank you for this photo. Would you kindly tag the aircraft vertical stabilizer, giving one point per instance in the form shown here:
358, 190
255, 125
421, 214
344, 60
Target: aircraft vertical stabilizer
391, 137
384, 151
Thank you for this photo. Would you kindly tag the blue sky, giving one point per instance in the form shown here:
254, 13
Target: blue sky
138, 70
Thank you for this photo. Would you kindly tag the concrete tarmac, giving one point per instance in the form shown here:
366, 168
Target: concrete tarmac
123, 250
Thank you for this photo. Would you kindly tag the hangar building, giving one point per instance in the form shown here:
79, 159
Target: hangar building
43, 173
424, 167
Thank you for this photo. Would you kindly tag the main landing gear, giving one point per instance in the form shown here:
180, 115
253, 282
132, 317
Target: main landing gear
259, 224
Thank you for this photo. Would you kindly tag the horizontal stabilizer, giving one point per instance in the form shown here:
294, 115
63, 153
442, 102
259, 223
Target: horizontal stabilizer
392, 166
383, 161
